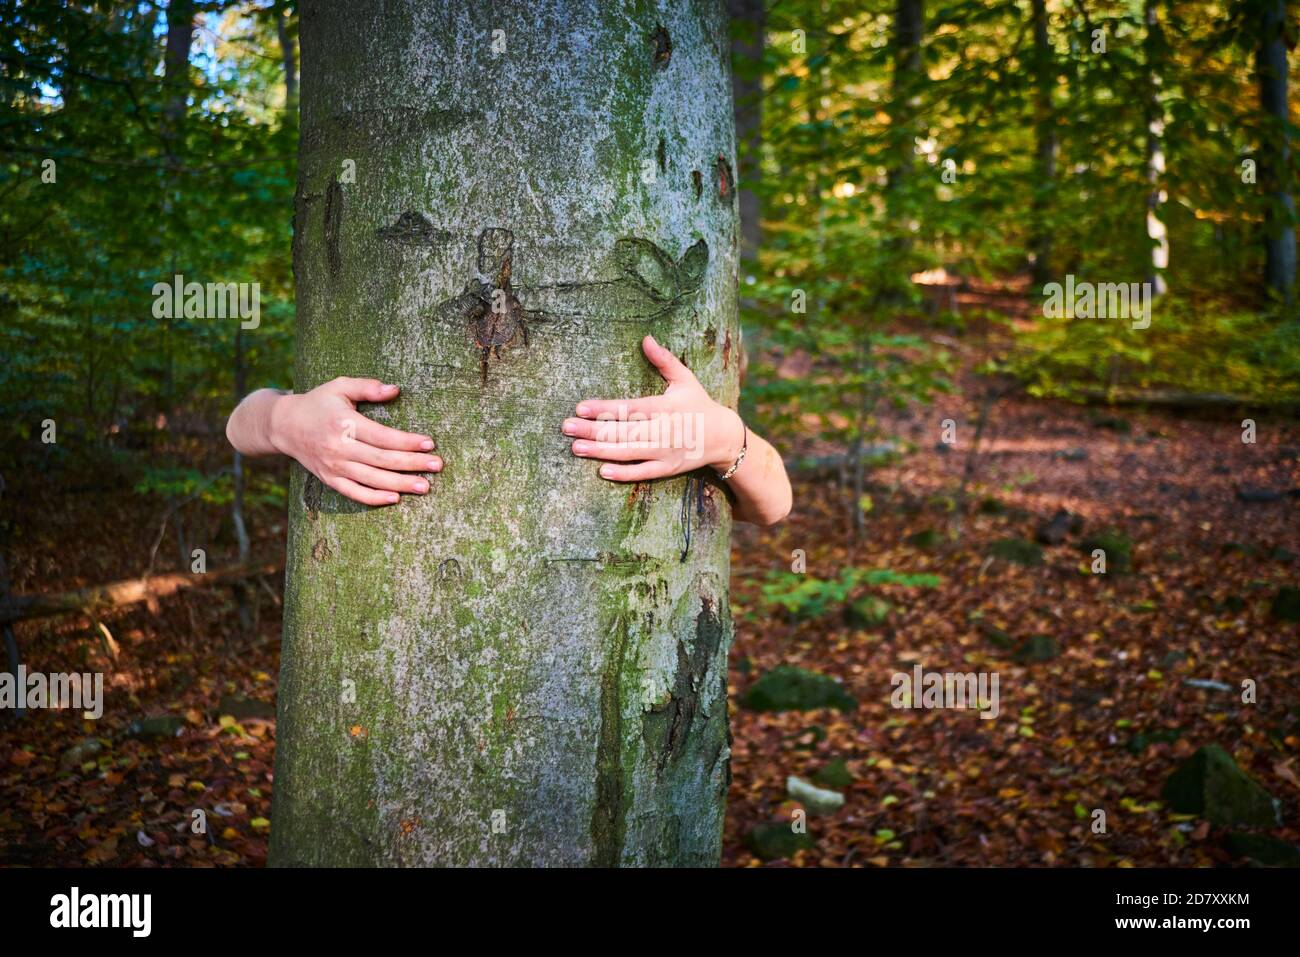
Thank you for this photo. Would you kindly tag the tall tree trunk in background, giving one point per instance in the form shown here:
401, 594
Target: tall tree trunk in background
176, 87
909, 31
288, 56
1275, 155
176, 69
1158, 261
1045, 131
527, 665
237, 497
748, 23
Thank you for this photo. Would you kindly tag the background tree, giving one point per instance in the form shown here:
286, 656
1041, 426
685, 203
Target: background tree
1275, 160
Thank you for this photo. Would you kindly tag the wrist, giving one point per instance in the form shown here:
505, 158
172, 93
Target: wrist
278, 410
727, 437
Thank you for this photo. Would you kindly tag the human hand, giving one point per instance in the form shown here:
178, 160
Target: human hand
657, 436
356, 456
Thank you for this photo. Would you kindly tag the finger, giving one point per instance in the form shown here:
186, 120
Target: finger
363, 390
391, 460
383, 437
381, 479
669, 366
641, 472
610, 430
616, 452
619, 409
359, 493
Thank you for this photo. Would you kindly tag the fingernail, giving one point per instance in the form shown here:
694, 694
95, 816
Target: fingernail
584, 410
434, 464
604, 471
392, 498
570, 427
579, 448
427, 445
420, 486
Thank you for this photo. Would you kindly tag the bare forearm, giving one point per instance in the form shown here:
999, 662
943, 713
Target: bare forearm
249, 426
760, 485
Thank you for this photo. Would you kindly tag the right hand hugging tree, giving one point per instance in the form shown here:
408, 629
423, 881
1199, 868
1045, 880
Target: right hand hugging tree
356, 456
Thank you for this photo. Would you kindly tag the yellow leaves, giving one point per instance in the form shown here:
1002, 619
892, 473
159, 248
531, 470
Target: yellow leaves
196, 786
259, 824
229, 834
357, 731
230, 725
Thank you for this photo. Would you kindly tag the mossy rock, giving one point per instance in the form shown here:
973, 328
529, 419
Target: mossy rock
870, 611
925, 539
1286, 606
1263, 850
775, 841
787, 688
1037, 648
1144, 739
1210, 785
155, 728
1016, 550
1117, 546
1233, 604
997, 637
834, 774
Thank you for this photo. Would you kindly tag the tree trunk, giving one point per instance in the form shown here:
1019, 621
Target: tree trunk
1158, 260
1275, 159
748, 23
909, 32
1045, 126
909, 71
288, 57
528, 665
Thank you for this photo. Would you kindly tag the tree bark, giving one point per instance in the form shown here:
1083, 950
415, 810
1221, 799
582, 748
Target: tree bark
909, 33
527, 666
1275, 160
1045, 127
748, 24
288, 56
1157, 233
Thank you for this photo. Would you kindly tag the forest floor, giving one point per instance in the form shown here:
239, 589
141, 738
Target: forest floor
1096, 721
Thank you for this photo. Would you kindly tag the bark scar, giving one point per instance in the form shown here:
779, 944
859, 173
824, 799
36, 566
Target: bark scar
413, 229
648, 285
333, 225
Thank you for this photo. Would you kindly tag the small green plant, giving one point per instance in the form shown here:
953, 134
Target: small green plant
804, 597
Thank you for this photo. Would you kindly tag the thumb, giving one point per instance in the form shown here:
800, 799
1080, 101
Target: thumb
669, 366
364, 390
